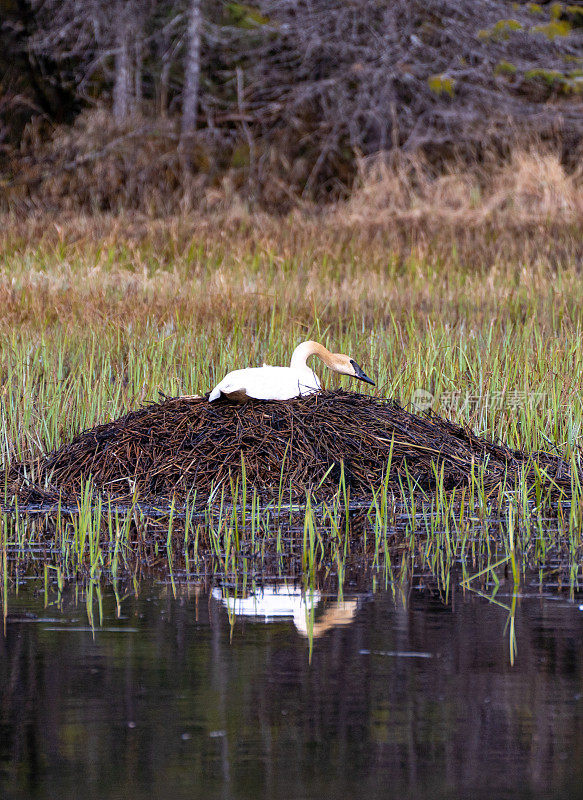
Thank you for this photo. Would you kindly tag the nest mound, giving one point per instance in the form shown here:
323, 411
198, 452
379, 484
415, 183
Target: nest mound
175, 447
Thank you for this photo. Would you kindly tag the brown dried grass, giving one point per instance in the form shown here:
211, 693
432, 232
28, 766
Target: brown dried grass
531, 186
95, 168
220, 269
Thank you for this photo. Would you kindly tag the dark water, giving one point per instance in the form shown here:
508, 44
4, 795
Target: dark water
401, 699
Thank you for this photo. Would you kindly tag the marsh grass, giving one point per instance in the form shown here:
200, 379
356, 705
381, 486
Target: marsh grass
518, 525
496, 546
91, 328
100, 315
331, 550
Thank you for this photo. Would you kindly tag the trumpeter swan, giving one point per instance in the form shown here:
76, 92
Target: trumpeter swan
283, 383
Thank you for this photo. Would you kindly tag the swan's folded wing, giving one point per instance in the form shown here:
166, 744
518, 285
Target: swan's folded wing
266, 383
281, 383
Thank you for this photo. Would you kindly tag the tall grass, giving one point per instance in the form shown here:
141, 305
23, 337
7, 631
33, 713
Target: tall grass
91, 328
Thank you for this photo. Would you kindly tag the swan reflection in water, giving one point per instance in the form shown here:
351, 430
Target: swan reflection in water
273, 603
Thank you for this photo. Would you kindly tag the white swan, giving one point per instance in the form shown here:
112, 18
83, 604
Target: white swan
283, 383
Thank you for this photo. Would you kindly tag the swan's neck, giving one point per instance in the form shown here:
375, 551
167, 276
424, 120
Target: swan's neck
306, 349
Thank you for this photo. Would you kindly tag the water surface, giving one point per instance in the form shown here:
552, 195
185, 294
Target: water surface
205, 696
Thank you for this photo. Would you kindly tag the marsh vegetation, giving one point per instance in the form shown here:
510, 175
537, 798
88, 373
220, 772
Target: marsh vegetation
190, 187
482, 313
408, 617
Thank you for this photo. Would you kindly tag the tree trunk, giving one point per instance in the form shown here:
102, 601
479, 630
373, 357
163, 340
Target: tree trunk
122, 88
191, 71
139, 60
164, 84
165, 76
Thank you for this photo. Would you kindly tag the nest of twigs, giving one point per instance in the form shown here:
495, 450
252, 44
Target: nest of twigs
308, 444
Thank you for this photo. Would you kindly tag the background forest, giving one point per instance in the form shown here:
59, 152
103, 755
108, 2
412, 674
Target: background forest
167, 105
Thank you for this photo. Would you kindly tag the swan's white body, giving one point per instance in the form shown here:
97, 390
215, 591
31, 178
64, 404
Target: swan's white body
283, 383
267, 383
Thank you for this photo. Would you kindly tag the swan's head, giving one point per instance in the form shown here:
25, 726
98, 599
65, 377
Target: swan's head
348, 366
336, 361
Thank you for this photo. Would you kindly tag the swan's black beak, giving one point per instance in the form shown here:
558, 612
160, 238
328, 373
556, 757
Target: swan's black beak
361, 374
